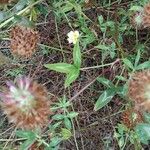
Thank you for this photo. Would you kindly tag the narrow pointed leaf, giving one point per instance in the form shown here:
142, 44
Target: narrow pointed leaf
77, 55
137, 58
29, 135
136, 8
147, 117
26, 134
128, 63
60, 67
72, 114
104, 98
66, 134
143, 132
67, 123
72, 76
145, 65
105, 82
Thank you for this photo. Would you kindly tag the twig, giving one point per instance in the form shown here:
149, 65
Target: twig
6, 131
12, 135
74, 135
78, 129
10, 140
84, 88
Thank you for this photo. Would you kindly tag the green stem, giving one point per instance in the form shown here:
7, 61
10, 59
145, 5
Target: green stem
120, 48
54, 48
116, 36
95, 67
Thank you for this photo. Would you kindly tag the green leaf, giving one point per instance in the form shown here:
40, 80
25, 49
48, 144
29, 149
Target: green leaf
88, 38
72, 76
77, 55
53, 127
128, 63
3, 16
20, 5
77, 8
121, 90
58, 117
102, 47
60, 67
72, 114
100, 19
65, 103
121, 141
110, 24
104, 98
137, 58
67, 123
143, 132
67, 8
40, 8
121, 78
26, 134
29, 135
145, 65
23, 21
136, 8
147, 117
105, 82
54, 143
66, 134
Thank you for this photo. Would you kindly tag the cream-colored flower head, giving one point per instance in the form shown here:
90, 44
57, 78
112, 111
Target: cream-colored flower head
87, 1
73, 36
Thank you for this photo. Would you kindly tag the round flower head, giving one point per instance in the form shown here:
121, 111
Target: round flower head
146, 16
26, 103
139, 89
87, 1
23, 41
73, 36
137, 20
131, 117
5, 1
141, 18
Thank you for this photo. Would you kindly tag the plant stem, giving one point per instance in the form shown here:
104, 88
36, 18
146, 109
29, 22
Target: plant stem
57, 49
58, 37
98, 66
116, 36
